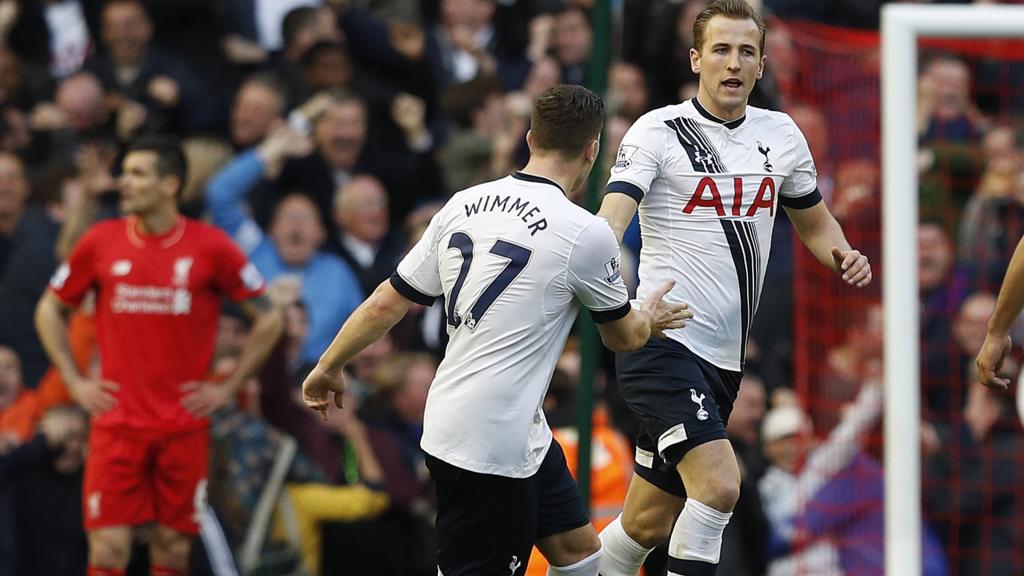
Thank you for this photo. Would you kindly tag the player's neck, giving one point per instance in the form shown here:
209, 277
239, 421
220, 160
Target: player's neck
723, 114
555, 169
157, 222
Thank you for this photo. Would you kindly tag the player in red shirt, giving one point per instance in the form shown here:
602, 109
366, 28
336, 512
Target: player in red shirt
159, 279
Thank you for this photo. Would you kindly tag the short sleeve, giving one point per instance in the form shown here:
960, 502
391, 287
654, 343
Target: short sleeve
638, 160
418, 277
800, 188
594, 273
237, 277
75, 277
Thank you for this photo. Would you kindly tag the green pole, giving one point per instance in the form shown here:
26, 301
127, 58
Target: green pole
597, 80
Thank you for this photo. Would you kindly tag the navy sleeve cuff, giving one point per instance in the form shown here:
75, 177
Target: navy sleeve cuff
631, 190
605, 316
802, 202
406, 289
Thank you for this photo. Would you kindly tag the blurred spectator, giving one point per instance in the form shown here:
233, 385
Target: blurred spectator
326, 66
343, 150
13, 195
205, 156
857, 360
975, 499
945, 110
301, 30
363, 236
401, 543
48, 489
50, 34
259, 103
78, 116
825, 502
572, 43
145, 85
994, 216
470, 41
30, 254
17, 404
627, 91
743, 542
330, 291
943, 287
487, 133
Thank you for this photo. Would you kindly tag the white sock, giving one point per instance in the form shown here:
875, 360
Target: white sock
585, 567
696, 542
622, 555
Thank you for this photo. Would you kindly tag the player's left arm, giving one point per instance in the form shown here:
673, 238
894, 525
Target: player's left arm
374, 318
824, 237
203, 398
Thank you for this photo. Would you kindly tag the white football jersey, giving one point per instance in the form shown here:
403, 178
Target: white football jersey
512, 258
708, 191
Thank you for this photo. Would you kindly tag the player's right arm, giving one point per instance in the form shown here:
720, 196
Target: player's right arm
653, 317
594, 278
417, 280
95, 395
618, 209
637, 164
1008, 306
372, 320
68, 286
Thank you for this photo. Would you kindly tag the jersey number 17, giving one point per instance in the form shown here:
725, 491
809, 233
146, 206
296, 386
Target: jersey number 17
518, 257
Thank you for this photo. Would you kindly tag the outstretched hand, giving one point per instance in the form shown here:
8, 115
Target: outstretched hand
853, 265
318, 389
665, 315
990, 360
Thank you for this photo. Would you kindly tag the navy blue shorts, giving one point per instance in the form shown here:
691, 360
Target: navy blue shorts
680, 400
487, 524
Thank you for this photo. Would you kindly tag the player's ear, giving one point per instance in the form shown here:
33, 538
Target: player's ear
760, 67
170, 185
594, 149
529, 140
695, 61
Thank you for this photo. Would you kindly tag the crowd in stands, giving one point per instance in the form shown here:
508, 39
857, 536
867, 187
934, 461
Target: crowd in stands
323, 134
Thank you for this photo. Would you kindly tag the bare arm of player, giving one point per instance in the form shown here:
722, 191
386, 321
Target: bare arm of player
95, 395
651, 320
618, 209
823, 236
371, 320
203, 398
997, 342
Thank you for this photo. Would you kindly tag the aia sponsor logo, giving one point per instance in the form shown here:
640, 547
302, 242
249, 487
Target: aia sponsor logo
707, 195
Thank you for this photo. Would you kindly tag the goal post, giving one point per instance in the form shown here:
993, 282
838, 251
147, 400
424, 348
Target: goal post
902, 25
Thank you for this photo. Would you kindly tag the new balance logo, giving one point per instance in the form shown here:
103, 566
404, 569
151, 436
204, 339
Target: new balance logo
514, 565
702, 414
765, 150
121, 268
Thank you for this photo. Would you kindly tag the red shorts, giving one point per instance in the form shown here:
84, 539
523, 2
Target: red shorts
135, 477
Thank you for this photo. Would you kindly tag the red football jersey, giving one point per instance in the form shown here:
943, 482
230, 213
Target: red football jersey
158, 301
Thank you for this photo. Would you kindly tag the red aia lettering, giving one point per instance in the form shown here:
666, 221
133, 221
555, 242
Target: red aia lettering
706, 183
762, 201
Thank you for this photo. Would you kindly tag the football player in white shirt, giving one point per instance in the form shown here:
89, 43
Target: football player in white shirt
707, 176
511, 258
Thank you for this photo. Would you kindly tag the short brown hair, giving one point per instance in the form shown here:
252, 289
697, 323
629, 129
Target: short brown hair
732, 9
566, 119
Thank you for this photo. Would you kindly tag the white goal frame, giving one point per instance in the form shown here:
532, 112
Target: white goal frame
902, 25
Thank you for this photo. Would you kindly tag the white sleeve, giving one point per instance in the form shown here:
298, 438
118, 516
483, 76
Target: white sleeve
639, 158
594, 275
418, 277
800, 188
